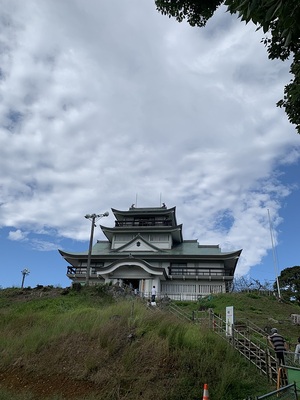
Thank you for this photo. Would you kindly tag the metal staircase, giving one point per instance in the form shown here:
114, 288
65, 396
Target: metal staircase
179, 312
247, 338
251, 342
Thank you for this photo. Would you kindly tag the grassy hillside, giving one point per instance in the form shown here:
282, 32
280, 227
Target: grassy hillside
60, 344
264, 311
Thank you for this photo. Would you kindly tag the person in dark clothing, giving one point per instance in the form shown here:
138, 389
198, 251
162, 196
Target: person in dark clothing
279, 345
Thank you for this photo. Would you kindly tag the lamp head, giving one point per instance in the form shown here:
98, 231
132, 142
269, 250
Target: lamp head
25, 271
89, 216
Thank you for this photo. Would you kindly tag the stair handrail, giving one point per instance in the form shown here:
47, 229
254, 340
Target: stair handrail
219, 326
174, 309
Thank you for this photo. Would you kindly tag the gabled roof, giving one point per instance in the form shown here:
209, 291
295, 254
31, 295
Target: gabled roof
141, 245
187, 248
183, 252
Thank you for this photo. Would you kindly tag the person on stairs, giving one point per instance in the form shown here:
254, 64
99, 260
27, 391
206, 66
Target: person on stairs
279, 345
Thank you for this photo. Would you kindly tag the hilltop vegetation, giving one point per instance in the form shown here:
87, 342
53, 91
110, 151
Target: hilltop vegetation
89, 344
263, 310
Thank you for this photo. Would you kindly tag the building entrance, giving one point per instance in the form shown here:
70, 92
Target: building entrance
134, 284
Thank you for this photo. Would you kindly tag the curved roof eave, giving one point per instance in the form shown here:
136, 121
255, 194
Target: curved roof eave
72, 258
131, 262
164, 254
232, 254
72, 255
141, 210
145, 212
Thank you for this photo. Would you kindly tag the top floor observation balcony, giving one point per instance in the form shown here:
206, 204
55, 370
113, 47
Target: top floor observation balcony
129, 222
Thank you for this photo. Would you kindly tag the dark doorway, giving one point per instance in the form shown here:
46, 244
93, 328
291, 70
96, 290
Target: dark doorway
132, 283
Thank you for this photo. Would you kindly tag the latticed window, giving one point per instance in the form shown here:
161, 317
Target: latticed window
208, 289
178, 288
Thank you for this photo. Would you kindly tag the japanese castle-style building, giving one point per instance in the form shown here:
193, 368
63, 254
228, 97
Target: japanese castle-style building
145, 248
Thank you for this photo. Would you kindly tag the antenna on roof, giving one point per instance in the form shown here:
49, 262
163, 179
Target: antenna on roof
159, 199
136, 197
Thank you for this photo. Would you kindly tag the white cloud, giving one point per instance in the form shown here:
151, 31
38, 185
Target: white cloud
103, 103
42, 245
17, 235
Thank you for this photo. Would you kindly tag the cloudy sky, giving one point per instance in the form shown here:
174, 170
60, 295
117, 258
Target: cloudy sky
105, 103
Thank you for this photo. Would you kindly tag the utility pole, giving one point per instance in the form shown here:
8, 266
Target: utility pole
92, 218
274, 257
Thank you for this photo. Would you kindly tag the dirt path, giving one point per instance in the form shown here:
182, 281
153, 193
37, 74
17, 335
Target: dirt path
17, 380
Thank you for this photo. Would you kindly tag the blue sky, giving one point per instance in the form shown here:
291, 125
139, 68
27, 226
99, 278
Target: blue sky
105, 104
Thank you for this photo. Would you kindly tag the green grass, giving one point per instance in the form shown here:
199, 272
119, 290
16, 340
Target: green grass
264, 311
126, 350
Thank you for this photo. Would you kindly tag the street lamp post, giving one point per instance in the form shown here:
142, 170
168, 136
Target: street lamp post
92, 218
25, 272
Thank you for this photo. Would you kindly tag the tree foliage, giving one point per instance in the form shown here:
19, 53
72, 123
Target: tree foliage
196, 12
247, 284
279, 18
289, 283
